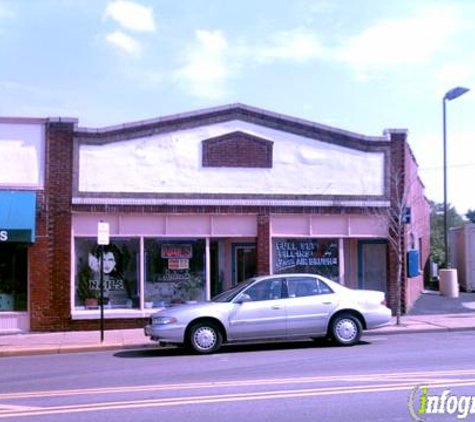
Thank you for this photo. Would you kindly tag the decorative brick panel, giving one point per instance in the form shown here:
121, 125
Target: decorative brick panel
237, 149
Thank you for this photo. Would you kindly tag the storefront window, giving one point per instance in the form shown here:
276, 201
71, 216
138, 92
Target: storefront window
120, 262
174, 271
314, 256
13, 276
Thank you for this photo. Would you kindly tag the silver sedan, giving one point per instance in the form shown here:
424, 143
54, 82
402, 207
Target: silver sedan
272, 307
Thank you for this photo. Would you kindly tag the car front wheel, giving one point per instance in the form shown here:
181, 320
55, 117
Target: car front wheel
346, 330
205, 337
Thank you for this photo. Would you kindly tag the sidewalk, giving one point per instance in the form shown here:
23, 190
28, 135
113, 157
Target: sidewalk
72, 342
422, 318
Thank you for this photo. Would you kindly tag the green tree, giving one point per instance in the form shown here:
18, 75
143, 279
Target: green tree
470, 216
437, 243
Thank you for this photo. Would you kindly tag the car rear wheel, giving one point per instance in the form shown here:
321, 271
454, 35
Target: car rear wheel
346, 330
205, 337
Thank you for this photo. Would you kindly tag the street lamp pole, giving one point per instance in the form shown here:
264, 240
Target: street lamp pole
450, 95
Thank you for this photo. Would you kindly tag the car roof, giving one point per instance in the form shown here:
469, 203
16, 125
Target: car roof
333, 284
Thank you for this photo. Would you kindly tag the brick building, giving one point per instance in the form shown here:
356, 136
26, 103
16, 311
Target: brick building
195, 203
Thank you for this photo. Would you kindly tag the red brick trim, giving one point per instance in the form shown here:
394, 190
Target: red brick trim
237, 149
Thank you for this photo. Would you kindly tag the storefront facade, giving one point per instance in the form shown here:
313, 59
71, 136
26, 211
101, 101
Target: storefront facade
21, 142
198, 202
17, 232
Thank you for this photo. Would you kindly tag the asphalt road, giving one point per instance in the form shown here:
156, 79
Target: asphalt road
273, 382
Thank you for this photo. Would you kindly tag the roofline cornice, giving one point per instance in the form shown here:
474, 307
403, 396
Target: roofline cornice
224, 113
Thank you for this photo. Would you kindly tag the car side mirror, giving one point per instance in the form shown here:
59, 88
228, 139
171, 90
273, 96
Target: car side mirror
243, 297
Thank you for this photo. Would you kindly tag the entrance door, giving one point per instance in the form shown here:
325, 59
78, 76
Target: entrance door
244, 263
372, 265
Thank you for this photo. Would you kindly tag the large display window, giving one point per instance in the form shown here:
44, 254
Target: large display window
13, 276
120, 273
314, 256
174, 271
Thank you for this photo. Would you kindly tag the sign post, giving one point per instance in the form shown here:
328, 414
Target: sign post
102, 240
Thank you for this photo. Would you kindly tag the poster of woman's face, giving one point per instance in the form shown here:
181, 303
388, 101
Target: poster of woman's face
119, 271
108, 262
111, 259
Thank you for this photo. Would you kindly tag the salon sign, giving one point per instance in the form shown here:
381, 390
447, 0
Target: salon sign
12, 235
177, 251
178, 264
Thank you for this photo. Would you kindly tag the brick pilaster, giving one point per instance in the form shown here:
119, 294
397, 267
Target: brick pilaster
50, 256
398, 185
263, 243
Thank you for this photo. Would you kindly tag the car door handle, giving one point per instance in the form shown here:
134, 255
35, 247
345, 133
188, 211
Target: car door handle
327, 303
276, 307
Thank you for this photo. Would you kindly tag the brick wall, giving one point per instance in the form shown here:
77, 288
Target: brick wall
416, 234
263, 243
418, 231
50, 256
39, 258
396, 182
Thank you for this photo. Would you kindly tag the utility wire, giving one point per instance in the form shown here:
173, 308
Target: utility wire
450, 166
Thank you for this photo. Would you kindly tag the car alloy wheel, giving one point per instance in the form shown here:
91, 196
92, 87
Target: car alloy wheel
346, 330
205, 338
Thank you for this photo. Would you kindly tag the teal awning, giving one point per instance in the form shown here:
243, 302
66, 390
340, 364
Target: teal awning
17, 216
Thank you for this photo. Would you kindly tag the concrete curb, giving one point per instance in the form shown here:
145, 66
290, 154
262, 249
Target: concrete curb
84, 348
79, 348
418, 330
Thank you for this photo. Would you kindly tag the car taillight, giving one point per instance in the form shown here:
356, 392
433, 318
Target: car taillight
384, 302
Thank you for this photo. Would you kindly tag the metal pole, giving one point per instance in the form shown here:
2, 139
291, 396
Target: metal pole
446, 229
102, 292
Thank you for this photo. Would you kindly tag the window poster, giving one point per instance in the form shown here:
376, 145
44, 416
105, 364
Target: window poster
174, 271
315, 256
119, 273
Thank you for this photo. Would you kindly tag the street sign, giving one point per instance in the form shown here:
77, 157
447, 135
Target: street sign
102, 233
406, 215
102, 240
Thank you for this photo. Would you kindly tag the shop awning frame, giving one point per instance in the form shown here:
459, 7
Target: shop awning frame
17, 216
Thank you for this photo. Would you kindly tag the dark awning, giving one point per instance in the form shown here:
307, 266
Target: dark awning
17, 216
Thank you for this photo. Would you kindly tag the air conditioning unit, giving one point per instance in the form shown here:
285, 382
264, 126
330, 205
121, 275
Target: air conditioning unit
462, 255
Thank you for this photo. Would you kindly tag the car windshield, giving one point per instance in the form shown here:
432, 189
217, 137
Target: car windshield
229, 295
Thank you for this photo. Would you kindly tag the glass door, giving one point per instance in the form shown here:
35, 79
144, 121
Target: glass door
244, 263
372, 265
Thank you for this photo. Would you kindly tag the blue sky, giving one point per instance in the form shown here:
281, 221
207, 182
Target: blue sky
359, 65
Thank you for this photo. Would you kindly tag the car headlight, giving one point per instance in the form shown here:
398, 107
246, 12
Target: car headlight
163, 320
